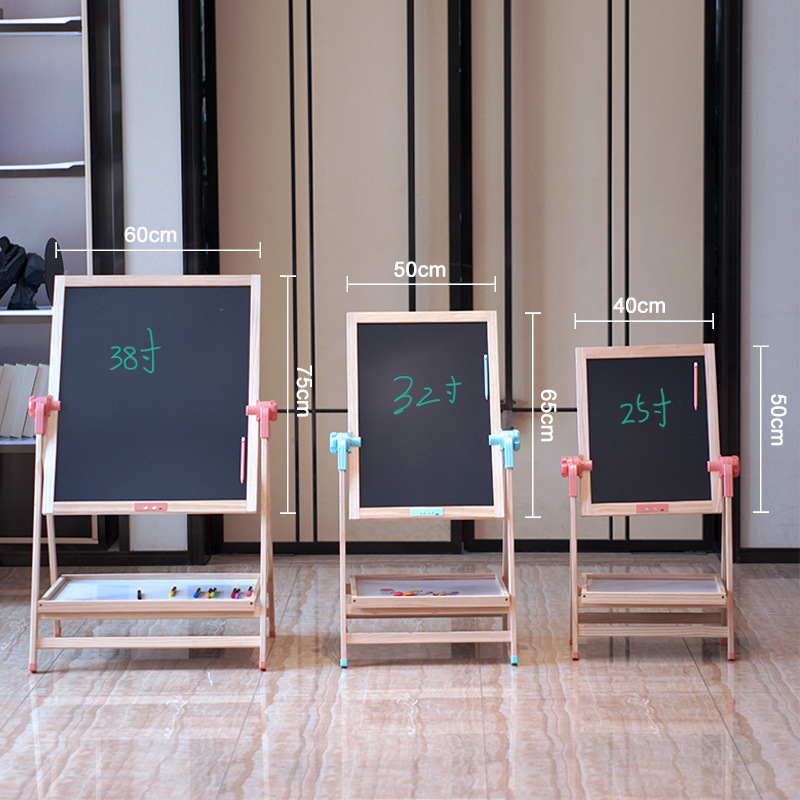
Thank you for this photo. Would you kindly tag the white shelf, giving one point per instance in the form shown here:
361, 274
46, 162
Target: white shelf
45, 169
8, 445
41, 26
43, 311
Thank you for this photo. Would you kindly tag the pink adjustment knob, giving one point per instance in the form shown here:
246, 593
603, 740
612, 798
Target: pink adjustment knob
266, 411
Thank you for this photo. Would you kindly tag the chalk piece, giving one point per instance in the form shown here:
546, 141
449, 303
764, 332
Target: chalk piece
198, 592
249, 591
398, 594
173, 591
139, 594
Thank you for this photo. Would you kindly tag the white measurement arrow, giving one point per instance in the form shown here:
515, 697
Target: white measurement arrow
288, 278
760, 348
59, 249
349, 283
533, 515
630, 321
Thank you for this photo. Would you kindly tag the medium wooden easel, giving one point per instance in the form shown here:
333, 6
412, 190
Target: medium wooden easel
108, 596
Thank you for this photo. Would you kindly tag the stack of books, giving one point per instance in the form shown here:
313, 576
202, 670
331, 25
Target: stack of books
18, 382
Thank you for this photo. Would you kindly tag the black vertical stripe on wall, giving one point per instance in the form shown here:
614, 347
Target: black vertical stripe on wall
311, 275
105, 119
459, 135
412, 182
610, 172
459, 148
508, 314
627, 157
722, 239
293, 181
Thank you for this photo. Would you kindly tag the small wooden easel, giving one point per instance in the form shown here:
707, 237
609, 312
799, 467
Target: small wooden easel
649, 435
146, 595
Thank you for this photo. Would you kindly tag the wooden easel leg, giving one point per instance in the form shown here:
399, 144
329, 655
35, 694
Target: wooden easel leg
268, 538
51, 559
573, 577
727, 558
36, 559
342, 573
510, 576
265, 572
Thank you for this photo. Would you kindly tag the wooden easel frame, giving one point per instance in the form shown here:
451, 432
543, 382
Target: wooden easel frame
461, 605
501, 602
354, 319
677, 605
197, 506
50, 607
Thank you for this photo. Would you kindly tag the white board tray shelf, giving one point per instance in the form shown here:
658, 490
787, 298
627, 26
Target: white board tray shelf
652, 590
107, 596
430, 592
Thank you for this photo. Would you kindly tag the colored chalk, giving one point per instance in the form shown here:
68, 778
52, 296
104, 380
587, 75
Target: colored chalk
173, 591
213, 592
234, 594
198, 592
249, 591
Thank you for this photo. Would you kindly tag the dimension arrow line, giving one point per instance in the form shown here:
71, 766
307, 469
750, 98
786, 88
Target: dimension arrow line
158, 250
760, 348
349, 283
288, 395
533, 315
629, 321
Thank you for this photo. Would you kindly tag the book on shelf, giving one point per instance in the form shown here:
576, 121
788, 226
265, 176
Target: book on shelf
39, 390
6, 372
22, 378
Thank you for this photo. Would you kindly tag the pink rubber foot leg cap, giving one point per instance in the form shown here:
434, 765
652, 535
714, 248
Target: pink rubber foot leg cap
32, 667
262, 665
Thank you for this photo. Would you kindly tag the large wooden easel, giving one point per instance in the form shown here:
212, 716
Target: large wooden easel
153, 595
677, 605
429, 595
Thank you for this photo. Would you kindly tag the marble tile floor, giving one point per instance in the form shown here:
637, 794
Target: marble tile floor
632, 719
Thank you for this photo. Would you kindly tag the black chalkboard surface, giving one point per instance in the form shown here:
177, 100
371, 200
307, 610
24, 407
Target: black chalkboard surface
153, 375
648, 422
423, 397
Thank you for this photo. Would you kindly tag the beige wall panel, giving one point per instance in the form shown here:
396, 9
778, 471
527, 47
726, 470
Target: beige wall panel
666, 149
431, 173
361, 530
551, 496
359, 169
679, 526
559, 186
487, 160
254, 187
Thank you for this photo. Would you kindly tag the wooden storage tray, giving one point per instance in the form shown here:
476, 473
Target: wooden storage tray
470, 593
114, 596
609, 589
